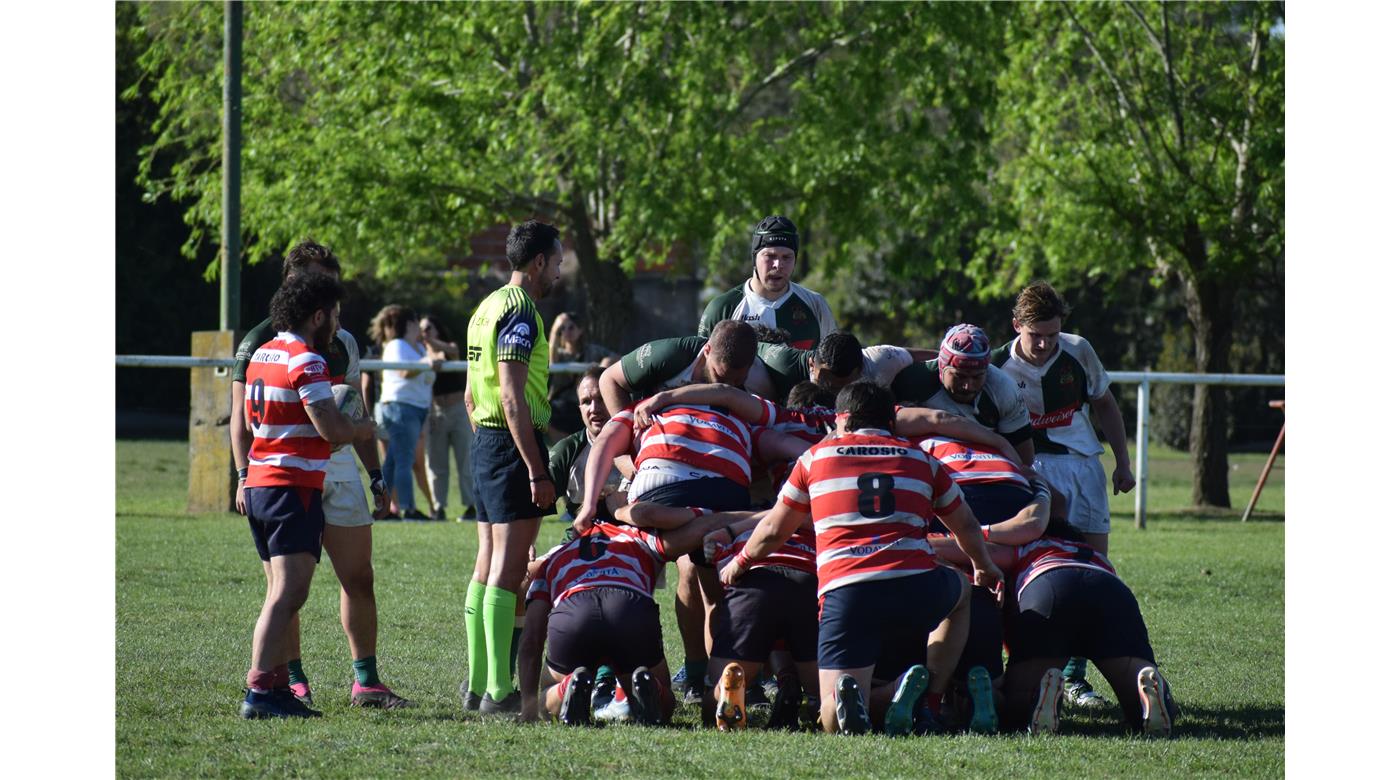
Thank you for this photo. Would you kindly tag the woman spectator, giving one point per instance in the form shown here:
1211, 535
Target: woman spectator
568, 345
449, 430
404, 398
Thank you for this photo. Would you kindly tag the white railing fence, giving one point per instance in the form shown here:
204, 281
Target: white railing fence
1143, 379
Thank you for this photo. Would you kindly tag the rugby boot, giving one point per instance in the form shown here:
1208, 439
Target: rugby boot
1045, 717
926, 723
608, 701
471, 702
1080, 693
729, 711
679, 681
279, 703
646, 698
377, 696
1152, 692
302, 691
787, 704
508, 705
899, 718
984, 708
851, 715
574, 709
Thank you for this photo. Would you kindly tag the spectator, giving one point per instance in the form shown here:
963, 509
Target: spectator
567, 344
404, 398
449, 430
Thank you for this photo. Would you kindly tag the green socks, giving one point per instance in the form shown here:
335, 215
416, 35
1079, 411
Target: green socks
366, 673
476, 638
498, 609
1076, 669
295, 674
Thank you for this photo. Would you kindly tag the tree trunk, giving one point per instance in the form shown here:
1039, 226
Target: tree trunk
607, 290
1210, 306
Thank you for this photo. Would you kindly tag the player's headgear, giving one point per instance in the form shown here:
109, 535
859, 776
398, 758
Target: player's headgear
773, 231
964, 346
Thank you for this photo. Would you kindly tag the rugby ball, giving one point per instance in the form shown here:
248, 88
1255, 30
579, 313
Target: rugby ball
350, 403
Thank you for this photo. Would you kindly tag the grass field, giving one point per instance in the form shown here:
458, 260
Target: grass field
189, 588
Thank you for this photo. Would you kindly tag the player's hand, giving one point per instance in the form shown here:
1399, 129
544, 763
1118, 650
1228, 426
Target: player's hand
380, 491
584, 519
239, 502
713, 540
1123, 479
732, 572
642, 412
988, 577
542, 492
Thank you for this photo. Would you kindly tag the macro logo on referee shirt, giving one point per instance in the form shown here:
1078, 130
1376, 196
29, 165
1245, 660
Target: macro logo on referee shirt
519, 336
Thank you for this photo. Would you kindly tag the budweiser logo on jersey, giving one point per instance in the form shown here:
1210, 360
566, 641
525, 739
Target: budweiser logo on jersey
1059, 418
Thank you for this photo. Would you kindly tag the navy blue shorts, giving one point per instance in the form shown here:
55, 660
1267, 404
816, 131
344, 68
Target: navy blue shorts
1079, 612
501, 479
717, 494
285, 520
994, 502
613, 626
984, 636
866, 622
767, 604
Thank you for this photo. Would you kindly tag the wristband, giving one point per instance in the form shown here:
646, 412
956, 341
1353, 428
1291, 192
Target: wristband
987, 532
730, 531
742, 560
242, 474
376, 475
539, 479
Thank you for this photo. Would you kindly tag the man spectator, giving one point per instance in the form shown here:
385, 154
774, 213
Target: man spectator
769, 296
294, 421
508, 372
347, 538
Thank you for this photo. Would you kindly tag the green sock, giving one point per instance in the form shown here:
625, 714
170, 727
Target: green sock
498, 607
294, 672
514, 646
1076, 668
476, 639
695, 673
366, 672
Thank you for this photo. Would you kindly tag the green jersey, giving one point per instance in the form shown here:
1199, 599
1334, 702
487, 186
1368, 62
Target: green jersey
507, 327
661, 364
800, 315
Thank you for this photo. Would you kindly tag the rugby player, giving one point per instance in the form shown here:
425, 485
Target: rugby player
868, 495
1069, 601
508, 374
962, 381
1060, 378
837, 361
769, 297
592, 599
347, 537
569, 456
294, 421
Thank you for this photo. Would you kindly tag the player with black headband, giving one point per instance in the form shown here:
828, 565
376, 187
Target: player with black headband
769, 297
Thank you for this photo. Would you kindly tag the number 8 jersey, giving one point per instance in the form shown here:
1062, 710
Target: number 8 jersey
870, 495
285, 375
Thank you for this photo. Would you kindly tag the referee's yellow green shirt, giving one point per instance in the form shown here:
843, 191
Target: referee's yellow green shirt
507, 326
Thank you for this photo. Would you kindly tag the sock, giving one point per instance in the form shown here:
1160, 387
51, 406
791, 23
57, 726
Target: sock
935, 703
281, 677
260, 680
498, 609
563, 686
476, 639
1075, 669
294, 672
695, 672
366, 671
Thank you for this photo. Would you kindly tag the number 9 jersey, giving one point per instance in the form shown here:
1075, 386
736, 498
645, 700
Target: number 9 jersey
284, 376
870, 495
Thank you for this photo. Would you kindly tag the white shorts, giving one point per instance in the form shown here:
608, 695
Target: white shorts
1081, 479
344, 504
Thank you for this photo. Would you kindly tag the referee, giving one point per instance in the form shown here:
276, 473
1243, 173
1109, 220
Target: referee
508, 373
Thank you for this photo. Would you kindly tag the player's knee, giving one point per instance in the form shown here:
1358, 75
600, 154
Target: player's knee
359, 583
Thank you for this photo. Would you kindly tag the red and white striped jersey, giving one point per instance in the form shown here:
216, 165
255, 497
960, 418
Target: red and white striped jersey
707, 439
811, 425
972, 464
609, 555
284, 376
798, 552
1047, 553
870, 495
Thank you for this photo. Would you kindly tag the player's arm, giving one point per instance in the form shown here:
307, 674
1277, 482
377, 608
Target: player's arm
1025, 450
947, 550
912, 421
778, 447
776, 527
968, 533
335, 427
532, 637
921, 355
1111, 421
691, 536
1026, 525
612, 441
368, 453
512, 375
615, 389
240, 439
741, 403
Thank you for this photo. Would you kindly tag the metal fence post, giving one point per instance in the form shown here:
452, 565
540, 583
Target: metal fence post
1143, 412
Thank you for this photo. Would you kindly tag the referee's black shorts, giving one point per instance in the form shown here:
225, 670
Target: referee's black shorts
500, 477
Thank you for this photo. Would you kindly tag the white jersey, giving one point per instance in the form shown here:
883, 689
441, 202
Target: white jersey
757, 310
880, 363
998, 406
342, 466
1057, 394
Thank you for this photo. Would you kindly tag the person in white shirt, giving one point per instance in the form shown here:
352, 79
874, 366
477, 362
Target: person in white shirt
405, 397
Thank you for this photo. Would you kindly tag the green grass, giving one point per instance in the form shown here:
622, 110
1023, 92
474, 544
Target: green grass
189, 588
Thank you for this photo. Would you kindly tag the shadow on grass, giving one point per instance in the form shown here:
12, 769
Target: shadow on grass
1244, 722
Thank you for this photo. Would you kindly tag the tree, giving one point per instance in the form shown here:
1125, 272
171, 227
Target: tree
1148, 138
395, 130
